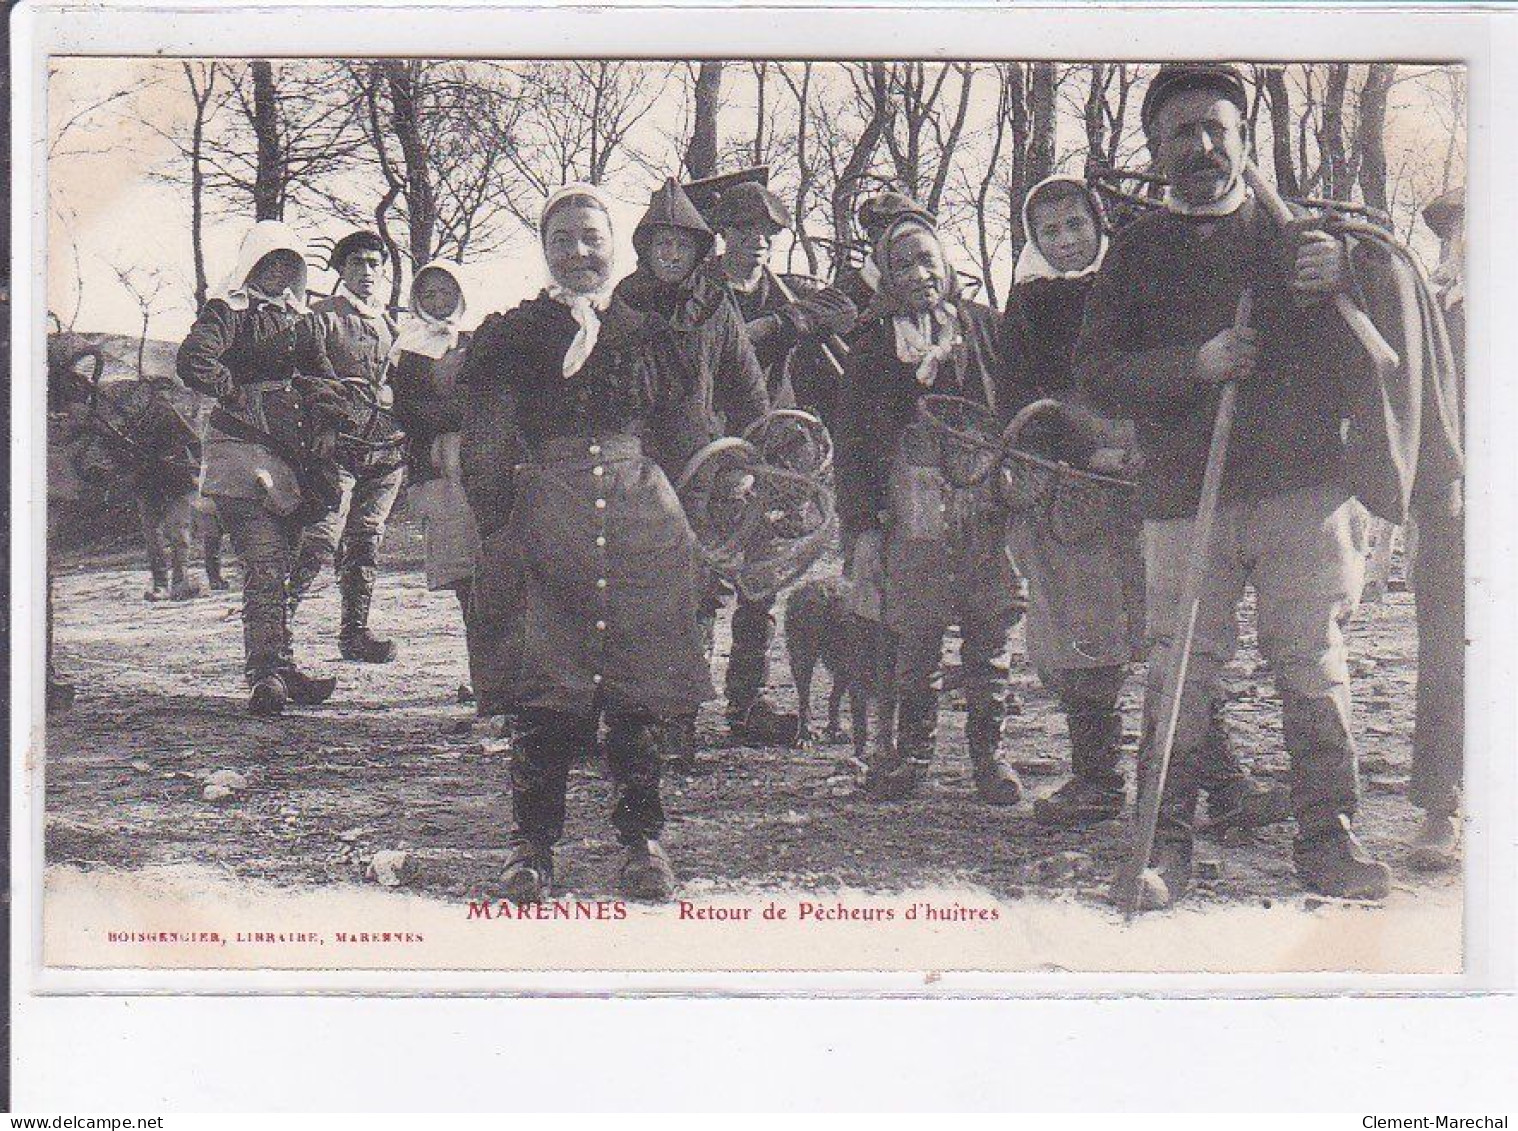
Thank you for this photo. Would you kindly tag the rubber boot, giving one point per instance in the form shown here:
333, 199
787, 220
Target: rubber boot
211, 547
529, 874
1436, 847
752, 716
995, 780
268, 697
307, 690
354, 640
1235, 799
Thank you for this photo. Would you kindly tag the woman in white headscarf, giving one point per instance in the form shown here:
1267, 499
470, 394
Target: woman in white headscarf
245, 349
424, 363
584, 602
932, 550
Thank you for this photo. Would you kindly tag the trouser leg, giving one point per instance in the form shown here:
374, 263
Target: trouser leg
546, 748
358, 552
632, 752
1439, 726
210, 546
318, 544
748, 662
150, 515
1307, 568
982, 639
264, 543
918, 654
1167, 549
179, 516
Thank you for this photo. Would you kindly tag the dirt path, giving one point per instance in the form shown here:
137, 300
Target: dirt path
392, 761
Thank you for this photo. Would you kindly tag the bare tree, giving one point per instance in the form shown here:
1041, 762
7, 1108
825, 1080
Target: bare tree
146, 286
1370, 133
805, 171
1279, 99
294, 130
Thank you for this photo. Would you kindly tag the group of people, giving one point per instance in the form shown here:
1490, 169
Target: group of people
541, 450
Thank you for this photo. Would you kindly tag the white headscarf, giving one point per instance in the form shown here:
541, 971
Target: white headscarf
264, 238
586, 308
927, 339
1032, 263
421, 333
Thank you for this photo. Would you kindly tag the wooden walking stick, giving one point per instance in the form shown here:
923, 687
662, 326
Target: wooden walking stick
1148, 815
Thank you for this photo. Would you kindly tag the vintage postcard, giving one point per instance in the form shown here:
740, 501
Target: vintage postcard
537, 516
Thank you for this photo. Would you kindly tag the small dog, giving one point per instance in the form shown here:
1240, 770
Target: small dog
820, 625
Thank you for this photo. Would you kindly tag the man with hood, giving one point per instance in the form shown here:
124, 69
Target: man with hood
934, 551
357, 334
709, 379
247, 346
749, 217
1161, 336
1086, 602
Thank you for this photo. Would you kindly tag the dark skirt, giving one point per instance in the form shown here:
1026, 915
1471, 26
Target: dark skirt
586, 599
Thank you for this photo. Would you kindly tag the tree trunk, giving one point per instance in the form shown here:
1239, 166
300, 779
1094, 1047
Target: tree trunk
1041, 151
864, 151
803, 164
142, 341
1280, 130
269, 179
1331, 140
701, 154
761, 73
421, 204
1095, 119
1370, 133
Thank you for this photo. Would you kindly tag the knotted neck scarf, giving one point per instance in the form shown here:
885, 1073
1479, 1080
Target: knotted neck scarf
423, 334
925, 340
586, 308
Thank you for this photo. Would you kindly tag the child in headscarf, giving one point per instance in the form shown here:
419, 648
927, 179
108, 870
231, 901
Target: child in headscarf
584, 604
425, 361
1086, 601
940, 548
245, 349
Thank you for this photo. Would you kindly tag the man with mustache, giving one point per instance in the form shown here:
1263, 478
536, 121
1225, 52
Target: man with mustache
1158, 342
749, 217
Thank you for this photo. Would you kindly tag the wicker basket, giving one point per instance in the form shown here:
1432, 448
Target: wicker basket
965, 437
1078, 505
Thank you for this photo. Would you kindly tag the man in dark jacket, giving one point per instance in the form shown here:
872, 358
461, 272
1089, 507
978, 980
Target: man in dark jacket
356, 333
1159, 340
749, 217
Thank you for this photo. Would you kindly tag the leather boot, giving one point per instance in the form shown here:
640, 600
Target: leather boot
895, 774
761, 723
1235, 799
1331, 861
1436, 847
354, 640
1095, 791
307, 690
268, 697
529, 873
995, 780
646, 875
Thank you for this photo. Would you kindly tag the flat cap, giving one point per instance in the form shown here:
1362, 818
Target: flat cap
1173, 78
750, 203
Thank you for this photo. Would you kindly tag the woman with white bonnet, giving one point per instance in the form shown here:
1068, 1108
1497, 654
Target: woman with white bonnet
934, 551
245, 348
424, 363
584, 605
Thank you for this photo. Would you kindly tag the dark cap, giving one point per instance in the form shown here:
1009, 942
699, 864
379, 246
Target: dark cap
879, 210
1446, 213
1173, 78
750, 205
355, 241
